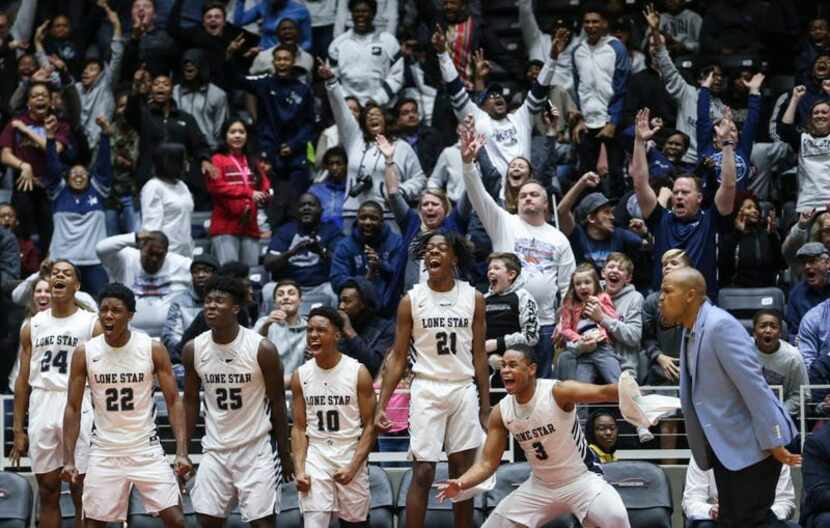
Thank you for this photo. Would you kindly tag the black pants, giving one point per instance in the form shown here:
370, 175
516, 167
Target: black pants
587, 152
746, 496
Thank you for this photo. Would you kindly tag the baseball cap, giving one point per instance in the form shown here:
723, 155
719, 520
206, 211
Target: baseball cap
811, 249
492, 88
207, 259
590, 204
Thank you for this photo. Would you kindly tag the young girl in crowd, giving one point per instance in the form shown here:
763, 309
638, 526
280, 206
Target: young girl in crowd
588, 356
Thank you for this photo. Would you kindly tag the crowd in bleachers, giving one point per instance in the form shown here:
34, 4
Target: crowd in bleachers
584, 151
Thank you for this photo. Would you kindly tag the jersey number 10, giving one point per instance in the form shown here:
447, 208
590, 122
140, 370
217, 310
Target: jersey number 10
445, 342
331, 422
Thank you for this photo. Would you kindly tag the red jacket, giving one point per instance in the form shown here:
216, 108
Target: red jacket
232, 193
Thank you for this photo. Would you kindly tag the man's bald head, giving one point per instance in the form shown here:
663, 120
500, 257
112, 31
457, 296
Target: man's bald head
688, 279
681, 295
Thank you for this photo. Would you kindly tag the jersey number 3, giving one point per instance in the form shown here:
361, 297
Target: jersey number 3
59, 361
445, 342
229, 399
539, 451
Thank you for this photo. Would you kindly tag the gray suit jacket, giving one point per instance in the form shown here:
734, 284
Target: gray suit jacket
726, 401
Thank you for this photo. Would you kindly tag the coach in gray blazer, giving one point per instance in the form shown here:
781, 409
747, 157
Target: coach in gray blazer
734, 422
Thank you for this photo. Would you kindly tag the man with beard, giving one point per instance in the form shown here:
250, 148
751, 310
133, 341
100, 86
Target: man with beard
185, 306
160, 121
371, 251
424, 139
594, 236
197, 96
812, 290
367, 61
366, 335
687, 225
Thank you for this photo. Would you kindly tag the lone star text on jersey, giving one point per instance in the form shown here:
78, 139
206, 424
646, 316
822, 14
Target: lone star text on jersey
536, 432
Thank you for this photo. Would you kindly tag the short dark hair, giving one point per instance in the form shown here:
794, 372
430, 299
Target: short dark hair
511, 261
461, 247
706, 70
288, 282
526, 350
372, 203
403, 101
767, 311
230, 285
169, 160
213, 5
94, 60
373, 4
234, 269
35, 84
116, 290
159, 236
283, 47
329, 313
594, 7
335, 151
75, 269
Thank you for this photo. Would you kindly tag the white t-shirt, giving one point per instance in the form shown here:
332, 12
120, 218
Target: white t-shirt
168, 207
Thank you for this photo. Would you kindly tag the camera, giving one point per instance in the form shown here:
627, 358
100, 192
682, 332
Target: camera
361, 185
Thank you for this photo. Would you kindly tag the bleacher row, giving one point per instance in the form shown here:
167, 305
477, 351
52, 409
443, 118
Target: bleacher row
644, 488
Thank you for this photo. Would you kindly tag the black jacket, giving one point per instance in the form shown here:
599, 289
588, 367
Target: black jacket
374, 334
154, 128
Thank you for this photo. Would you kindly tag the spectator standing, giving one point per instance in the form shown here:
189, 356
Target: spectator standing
301, 250
700, 497
197, 96
149, 44
386, 18
238, 192
366, 335
323, 14
288, 34
424, 140
367, 163
544, 251
812, 290
286, 326
813, 150
272, 12
815, 504
687, 226
286, 121
539, 44
98, 80
593, 236
817, 42
781, 363
166, 203
29, 254
367, 60
749, 256
680, 26
23, 143
122, 208
78, 196
601, 69
186, 305
332, 190
141, 262
372, 251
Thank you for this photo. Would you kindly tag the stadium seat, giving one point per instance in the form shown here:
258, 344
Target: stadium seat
16, 500
201, 246
508, 478
645, 491
289, 516
439, 514
382, 511
744, 302
67, 507
258, 277
199, 223
137, 516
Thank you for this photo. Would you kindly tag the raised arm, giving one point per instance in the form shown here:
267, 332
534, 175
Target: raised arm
178, 418
531, 34
347, 126
643, 132
462, 105
569, 393
725, 195
753, 115
788, 130
72, 413
703, 129
271, 367
589, 180
494, 446
366, 403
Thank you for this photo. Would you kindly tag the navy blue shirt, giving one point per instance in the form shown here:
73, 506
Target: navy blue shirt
307, 268
696, 237
596, 252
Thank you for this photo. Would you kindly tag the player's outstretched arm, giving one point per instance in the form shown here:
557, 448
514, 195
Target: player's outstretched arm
494, 446
569, 393
395, 363
192, 386
272, 371
299, 441
366, 402
167, 383
480, 360
72, 413
21, 397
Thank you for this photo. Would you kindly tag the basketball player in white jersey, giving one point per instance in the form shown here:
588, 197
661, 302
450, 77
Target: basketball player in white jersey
120, 368
443, 323
47, 343
242, 378
541, 416
333, 431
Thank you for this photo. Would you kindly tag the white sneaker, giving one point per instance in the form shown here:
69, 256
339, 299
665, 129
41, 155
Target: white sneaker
645, 435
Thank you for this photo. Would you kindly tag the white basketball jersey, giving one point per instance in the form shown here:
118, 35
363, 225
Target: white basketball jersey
53, 341
442, 332
551, 438
237, 409
332, 411
121, 381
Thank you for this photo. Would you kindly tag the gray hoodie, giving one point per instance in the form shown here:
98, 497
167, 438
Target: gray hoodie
207, 103
98, 100
627, 330
512, 316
